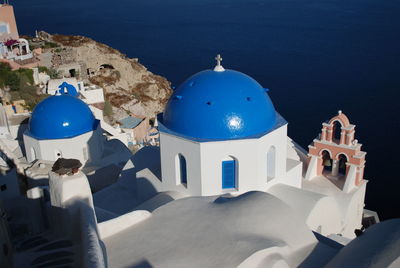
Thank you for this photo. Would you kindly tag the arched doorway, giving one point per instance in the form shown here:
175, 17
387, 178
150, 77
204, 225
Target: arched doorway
271, 163
326, 161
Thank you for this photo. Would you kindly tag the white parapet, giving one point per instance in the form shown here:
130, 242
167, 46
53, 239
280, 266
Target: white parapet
66, 195
312, 168
116, 225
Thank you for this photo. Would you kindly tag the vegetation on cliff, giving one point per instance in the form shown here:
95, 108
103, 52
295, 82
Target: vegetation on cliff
129, 88
19, 84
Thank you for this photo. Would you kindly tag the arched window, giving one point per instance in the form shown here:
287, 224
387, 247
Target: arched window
271, 163
181, 169
33, 153
337, 130
229, 171
85, 153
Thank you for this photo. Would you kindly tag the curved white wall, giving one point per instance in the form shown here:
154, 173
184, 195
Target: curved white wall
85, 147
204, 163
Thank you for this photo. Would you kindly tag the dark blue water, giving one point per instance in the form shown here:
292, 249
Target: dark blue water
315, 56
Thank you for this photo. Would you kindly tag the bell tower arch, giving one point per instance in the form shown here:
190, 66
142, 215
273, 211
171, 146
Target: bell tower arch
347, 160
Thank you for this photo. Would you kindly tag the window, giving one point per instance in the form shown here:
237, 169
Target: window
85, 153
181, 169
58, 154
271, 164
228, 174
33, 153
4, 28
337, 131
72, 72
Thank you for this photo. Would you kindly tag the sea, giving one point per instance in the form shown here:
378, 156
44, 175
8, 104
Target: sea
316, 57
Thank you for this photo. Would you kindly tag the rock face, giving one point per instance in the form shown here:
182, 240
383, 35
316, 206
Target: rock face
128, 85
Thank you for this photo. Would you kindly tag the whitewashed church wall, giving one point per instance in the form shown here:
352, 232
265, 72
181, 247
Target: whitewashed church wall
251, 168
83, 147
170, 147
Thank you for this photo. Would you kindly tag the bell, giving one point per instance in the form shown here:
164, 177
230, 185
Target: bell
327, 163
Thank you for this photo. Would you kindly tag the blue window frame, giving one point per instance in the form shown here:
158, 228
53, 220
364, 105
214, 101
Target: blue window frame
228, 174
182, 166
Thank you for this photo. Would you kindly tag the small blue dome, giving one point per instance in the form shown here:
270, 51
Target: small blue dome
66, 88
59, 117
223, 105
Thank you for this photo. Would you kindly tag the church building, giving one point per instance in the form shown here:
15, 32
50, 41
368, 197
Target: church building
63, 126
220, 133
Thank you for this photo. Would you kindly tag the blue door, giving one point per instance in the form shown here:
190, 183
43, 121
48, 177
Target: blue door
228, 174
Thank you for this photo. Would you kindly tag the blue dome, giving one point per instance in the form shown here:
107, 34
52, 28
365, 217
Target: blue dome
219, 106
59, 117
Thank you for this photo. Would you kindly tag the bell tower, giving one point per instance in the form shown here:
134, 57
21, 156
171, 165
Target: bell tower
336, 154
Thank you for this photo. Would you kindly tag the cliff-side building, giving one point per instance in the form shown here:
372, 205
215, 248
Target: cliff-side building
8, 26
12, 47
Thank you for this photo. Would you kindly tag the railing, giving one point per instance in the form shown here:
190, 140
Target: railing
20, 57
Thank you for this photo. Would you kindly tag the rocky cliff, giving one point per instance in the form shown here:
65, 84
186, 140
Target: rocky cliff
128, 85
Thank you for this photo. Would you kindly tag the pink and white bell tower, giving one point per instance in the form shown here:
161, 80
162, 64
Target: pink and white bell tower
336, 154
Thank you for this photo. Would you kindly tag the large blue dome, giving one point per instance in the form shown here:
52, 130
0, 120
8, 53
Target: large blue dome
221, 105
59, 117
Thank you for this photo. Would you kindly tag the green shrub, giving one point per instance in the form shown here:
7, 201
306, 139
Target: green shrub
13, 81
5, 70
51, 72
43, 69
28, 93
107, 111
21, 85
26, 75
50, 45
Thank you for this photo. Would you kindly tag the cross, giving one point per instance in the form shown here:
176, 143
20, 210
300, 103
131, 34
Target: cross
218, 58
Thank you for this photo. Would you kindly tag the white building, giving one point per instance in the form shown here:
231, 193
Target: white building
220, 133
63, 126
11, 46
